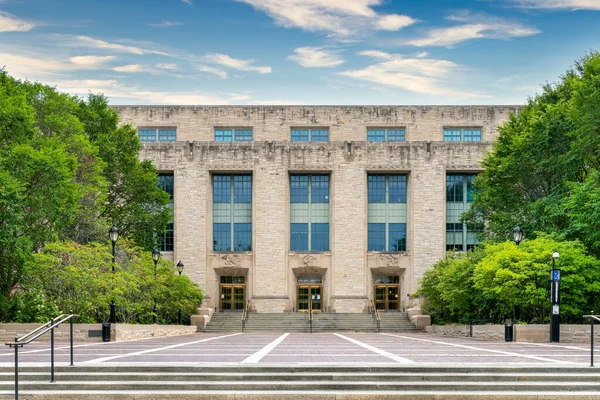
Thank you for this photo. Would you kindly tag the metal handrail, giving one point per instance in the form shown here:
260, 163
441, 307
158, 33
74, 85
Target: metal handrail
245, 315
310, 314
375, 312
592, 318
39, 331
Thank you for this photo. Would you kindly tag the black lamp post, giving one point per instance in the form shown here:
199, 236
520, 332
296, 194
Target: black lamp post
113, 234
180, 270
555, 301
518, 234
155, 257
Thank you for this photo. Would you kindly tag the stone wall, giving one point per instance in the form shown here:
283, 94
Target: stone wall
522, 333
121, 332
348, 268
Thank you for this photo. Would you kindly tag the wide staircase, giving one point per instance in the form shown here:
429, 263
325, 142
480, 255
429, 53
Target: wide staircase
245, 382
298, 322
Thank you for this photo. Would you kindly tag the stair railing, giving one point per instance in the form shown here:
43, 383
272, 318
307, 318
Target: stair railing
592, 318
245, 316
310, 315
36, 333
376, 315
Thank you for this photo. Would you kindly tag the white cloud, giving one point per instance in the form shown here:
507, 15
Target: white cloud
211, 70
168, 66
315, 57
393, 22
188, 2
91, 61
166, 24
477, 26
10, 23
130, 68
89, 42
420, 75
337, 17
559, 4
230, 62
139, 68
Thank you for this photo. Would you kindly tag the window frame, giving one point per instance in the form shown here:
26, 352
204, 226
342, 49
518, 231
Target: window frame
234, 134
466, 192
309, 137
157, 134
386, 131
306, 228
462, 137
379, 234
233, 196
167, 239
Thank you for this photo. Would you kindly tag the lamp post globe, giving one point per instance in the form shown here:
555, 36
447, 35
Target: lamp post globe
518, 235
155, 257
113, 235
180, 270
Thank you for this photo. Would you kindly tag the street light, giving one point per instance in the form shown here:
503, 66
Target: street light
155, 257
518, 234
180, 270
113, 235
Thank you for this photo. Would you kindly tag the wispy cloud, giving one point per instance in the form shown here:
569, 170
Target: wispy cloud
341, 18
234, 63
159, 69
10, 23
36, 67
315, 57
485, 27
559, 4
167, 66
91, 61
166, 24
415, 74
188, 2
211, 70
89, 42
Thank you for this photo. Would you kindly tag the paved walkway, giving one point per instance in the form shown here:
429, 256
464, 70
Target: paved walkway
297, 348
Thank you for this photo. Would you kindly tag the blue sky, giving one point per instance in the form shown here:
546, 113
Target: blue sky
298, 51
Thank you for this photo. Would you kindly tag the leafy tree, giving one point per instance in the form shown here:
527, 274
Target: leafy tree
543, 171
490, 282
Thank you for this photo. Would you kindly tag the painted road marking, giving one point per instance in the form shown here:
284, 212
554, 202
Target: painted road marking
256, 357
479, 349
173, 346
376, 350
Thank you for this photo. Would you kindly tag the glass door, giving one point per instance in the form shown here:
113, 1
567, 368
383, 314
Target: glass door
380, 297
387, 293
226, 297
310, 293
233, 293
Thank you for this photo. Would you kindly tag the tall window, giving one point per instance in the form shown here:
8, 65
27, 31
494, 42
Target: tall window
459, 195
385, 134
233, 135
309, 195
157, 134
462, 135
165, 182
387, 213
232, 212
310, 135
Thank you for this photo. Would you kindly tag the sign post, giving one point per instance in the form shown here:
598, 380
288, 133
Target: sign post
555, 305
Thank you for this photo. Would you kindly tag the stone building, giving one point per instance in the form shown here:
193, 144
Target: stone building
335, 206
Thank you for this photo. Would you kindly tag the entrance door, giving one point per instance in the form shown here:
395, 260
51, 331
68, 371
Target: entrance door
387, 293
232, 293
310, 289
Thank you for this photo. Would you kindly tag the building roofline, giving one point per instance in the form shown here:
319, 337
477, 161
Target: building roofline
314, 106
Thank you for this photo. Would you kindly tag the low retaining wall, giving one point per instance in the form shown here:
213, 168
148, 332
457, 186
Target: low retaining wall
522, 333
93, 332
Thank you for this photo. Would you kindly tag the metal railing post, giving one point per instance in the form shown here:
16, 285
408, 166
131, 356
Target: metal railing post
52, 351
592, 341
71, 337
16, 369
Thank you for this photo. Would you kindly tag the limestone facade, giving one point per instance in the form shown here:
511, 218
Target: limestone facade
347, 269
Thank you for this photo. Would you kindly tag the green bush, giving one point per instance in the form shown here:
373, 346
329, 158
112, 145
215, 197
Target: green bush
490, 282
70, 277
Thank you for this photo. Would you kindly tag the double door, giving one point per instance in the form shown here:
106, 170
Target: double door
232, 297
310, 295
387, 297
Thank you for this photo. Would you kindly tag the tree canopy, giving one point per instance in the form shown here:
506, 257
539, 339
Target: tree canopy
544, 171
68, 171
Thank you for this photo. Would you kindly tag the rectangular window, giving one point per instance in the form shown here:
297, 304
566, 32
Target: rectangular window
462, 135
166, 183
162, 134
387, 213
310, 135
459, 195
233, 135
309, 212
385, 134
232, 212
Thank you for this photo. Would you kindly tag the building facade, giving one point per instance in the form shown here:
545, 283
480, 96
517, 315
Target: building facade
328, 207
